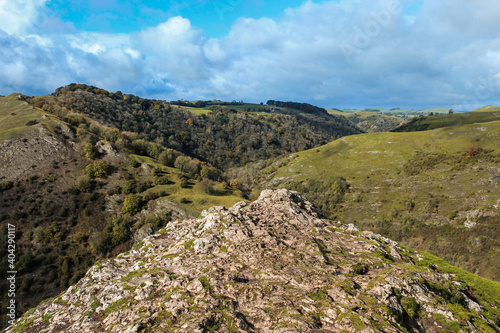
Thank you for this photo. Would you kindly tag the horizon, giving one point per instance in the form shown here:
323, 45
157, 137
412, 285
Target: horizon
411, 54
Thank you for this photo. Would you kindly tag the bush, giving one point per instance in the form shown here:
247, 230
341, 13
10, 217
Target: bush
83, 184
97, 169
168, 157
132, 205
209, 172
130, 186
143, 186
184, 182
162, 180
134, 163
6, 186
120, 231
187, 165
207, 186
90, 151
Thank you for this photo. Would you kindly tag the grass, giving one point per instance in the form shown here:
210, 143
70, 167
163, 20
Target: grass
413, 209
447, 120
484, 288
15, 116
489, 108
191, 198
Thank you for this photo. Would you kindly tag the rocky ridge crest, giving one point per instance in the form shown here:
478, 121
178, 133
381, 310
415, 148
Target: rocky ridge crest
274, 265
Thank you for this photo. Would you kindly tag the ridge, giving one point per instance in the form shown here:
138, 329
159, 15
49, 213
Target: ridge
275, 264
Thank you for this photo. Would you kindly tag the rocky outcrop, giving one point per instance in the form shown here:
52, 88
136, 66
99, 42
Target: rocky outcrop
35, 148
274, 265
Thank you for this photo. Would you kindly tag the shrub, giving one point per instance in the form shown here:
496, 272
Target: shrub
90, 151
207, 186
134, 163
472, 152
143, 186
161, 180
168, 157
97, 169
83, 184
120, 231
130, 186
132, 205
184, 182
209, 172
6, 186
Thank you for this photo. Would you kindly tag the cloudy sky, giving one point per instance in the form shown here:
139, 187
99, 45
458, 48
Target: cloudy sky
344, 53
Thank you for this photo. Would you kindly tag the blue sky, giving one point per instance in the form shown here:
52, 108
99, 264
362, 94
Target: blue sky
344, 53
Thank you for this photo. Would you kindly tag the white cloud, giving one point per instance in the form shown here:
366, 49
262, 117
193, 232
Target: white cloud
336, 53
18, 16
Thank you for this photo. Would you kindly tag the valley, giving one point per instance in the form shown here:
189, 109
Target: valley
88, 173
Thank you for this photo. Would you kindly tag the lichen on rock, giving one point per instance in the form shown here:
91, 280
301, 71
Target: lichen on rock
274, 265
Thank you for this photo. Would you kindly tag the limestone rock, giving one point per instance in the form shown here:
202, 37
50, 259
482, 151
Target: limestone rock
274, 265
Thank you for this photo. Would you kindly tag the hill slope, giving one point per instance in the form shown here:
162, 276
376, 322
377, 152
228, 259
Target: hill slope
489, 108
446, 120
223, 137
77, 193
273, 265
437, 190
370, 122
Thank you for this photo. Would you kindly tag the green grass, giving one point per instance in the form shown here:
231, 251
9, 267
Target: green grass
192, 198
414, 208
197, 110
15, 115
483, 288
447, 120
488, 108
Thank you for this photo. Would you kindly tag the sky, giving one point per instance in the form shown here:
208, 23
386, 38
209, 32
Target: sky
335, 54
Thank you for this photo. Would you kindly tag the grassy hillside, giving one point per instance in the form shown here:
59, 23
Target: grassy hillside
370, 122
489, 108
445, 120
398, 111
77, 193
223, 137
436, 191
16, 116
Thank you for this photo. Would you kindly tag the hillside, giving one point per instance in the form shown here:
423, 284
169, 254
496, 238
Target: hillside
489, 108
370, 122
274, 265
78, 192
223, 137
446, 120
436, 191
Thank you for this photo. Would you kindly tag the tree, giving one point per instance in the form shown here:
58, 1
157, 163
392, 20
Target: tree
168, 157
208, 172
132, 205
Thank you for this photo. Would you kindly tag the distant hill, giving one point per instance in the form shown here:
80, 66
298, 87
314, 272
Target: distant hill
445, 120
489, 108
222, 136
370, 122
436, 190
398, 111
